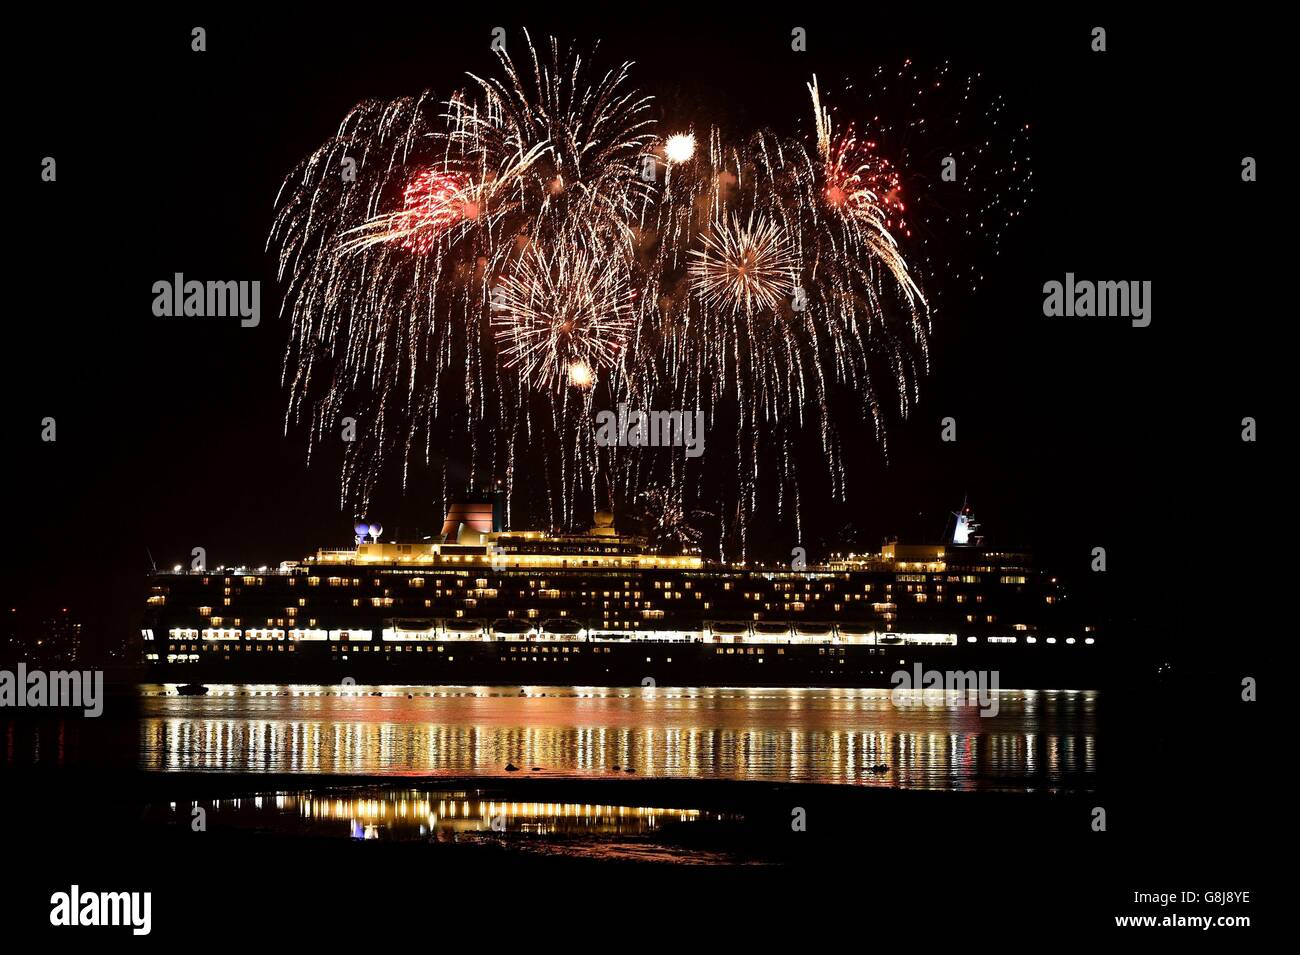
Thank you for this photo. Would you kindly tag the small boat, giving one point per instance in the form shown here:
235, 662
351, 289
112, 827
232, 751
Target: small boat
191, 689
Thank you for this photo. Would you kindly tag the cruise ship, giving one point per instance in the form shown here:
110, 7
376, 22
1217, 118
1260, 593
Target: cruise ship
484, 605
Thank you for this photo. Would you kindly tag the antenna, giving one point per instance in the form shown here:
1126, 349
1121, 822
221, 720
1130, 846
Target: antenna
152, 562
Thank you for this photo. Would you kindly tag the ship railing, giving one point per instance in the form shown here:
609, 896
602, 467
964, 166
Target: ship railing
789, 633
445, 631
228, 571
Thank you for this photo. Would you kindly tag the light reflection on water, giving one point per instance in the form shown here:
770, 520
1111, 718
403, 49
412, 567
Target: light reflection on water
438, 815
1037, 739
468, 816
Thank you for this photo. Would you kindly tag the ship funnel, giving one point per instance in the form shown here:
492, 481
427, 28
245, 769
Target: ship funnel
475, 514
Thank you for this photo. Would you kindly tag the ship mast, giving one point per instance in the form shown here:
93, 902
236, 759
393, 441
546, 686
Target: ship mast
966, 532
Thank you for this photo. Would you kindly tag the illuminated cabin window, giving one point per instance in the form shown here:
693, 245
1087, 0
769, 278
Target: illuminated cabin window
313, 581
1013, 579
1002, 639
417, 581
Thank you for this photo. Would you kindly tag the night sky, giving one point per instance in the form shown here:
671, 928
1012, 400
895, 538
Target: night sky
1073, 433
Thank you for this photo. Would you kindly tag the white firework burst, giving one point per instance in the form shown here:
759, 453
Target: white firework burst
562, 315
743, 266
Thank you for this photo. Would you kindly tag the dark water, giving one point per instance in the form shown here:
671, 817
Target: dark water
1036, 740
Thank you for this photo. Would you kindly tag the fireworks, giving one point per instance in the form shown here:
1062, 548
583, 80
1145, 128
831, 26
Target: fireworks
743, 266
562, 314
432, 203
666, 521
859, 182
680, 147
515, 257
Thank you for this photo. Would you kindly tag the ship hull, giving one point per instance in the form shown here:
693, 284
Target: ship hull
646, 663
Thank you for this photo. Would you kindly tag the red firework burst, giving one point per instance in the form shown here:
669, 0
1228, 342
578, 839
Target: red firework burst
433, 202
857, 178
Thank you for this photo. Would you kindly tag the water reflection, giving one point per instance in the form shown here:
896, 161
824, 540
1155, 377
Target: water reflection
415, 814
1036, 739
